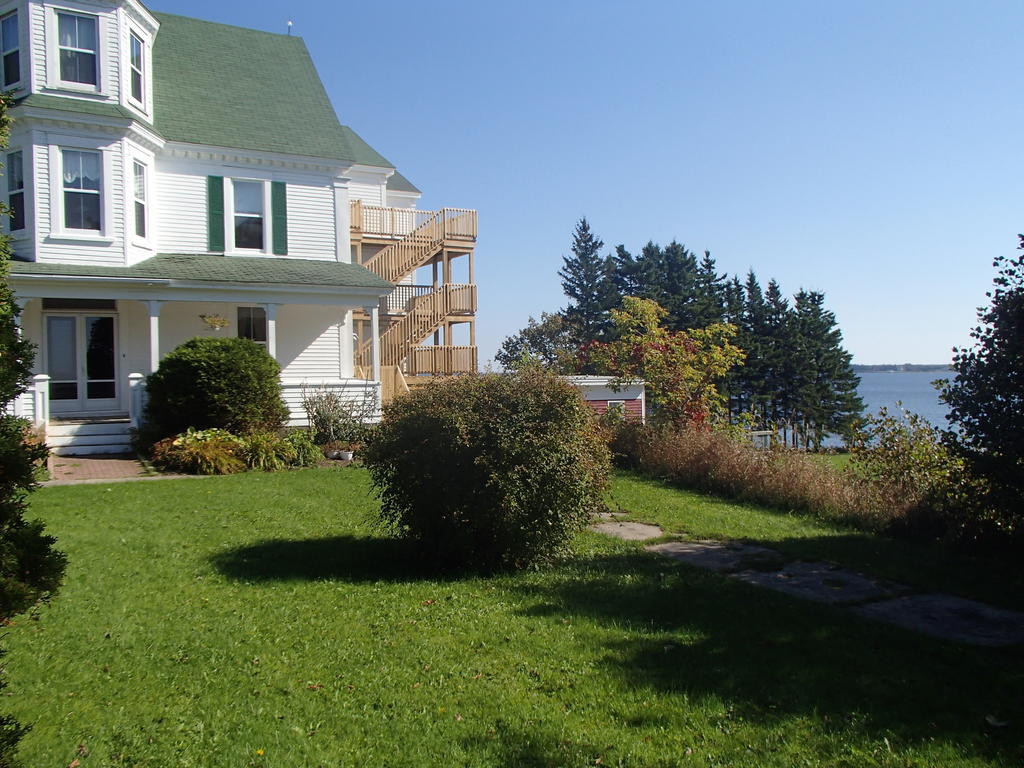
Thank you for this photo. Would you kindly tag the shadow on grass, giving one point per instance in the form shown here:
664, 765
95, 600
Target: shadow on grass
335, 558
772, 658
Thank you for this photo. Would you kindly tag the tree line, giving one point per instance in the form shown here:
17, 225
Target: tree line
796, 377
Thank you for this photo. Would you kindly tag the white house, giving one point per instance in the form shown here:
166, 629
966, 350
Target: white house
163, 169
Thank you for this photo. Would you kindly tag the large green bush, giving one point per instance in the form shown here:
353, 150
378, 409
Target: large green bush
488, 472
223, 383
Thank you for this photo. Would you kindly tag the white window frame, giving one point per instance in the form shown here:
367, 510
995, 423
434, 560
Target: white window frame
22, 190
4, 52
56, 160
54, 48
229, 217
142, 102
620, 404
135, 200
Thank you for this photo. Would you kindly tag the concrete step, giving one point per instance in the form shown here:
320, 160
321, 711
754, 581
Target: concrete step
60, 441
91, 450
70, 429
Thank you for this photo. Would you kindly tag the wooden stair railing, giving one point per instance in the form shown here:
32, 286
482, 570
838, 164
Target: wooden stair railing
425, 315
416, 248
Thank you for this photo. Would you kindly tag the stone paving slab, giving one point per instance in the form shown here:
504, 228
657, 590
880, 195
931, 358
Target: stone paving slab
823, 583
950, 618
716, 555
628, 531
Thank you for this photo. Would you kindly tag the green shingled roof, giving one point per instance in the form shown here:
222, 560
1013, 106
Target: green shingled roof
227, 86
100, 108
399, 183
221, 269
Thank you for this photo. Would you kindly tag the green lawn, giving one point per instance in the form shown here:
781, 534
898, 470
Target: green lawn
258, 620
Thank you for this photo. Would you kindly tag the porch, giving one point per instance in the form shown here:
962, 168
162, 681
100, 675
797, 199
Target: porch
98, 336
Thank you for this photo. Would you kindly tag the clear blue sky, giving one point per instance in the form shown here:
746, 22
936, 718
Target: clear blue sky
870, 150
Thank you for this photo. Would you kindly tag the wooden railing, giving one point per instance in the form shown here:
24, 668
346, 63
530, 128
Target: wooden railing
459, 223
423, 317
418, 246
442, 360
400, 300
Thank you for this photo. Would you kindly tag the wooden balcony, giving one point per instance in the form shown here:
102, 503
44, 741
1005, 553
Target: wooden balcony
441, 361
382, 223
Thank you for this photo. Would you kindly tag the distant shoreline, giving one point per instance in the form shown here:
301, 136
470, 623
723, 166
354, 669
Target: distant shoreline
901, 368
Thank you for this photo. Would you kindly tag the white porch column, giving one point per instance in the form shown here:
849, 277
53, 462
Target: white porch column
20, 304
271, 310
136, 386
154, 333
41, 401
374, 313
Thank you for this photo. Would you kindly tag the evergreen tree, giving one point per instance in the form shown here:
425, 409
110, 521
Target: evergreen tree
679, 286
588, 281
30, 568
986, 397
710, 293
825, 391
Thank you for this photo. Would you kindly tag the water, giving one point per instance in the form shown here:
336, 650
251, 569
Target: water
913, 388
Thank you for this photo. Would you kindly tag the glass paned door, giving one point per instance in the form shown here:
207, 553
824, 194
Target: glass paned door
81, 357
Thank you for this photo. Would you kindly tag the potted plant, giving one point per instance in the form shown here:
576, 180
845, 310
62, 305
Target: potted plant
338, 449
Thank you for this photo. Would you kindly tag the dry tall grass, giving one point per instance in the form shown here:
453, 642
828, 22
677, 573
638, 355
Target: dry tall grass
729, 466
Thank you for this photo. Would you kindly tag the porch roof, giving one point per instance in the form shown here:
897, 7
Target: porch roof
225, 270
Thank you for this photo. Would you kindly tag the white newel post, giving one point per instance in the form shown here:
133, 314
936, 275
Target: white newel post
41, 401
136, 387
374, 313
154, 333
271, 310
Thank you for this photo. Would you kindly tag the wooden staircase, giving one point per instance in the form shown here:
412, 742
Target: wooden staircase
425, 314
417, 248
408, 240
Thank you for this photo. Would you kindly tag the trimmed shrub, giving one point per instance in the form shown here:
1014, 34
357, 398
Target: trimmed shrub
306, 452
222, 383
195, 452
267, 451
488, 472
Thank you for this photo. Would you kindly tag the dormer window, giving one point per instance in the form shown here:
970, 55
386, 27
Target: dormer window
77, 41
11, 49
137, 64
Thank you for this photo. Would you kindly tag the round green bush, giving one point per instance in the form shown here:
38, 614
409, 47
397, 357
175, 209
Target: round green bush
223, 383
488, 472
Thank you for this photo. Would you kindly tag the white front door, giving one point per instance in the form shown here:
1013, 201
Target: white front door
81, 360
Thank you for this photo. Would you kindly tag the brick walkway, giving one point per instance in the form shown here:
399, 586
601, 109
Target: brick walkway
68, 470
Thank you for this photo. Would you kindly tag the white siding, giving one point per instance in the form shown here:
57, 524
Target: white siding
311, 231
309, 342
369, 188
181, 209
37, 15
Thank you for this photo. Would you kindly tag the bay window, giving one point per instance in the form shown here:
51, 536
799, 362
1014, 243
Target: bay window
77, 42
16, 190
137, 68
10, 47
139, 191
82, 178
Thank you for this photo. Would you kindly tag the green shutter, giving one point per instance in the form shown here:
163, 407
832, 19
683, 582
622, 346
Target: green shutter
279, 216
215, 213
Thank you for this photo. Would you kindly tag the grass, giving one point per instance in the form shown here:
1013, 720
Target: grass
258, 620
